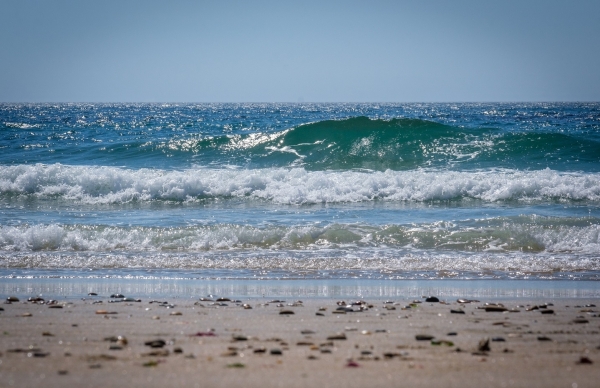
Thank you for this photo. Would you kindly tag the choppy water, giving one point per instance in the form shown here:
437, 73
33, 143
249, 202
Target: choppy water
400, 191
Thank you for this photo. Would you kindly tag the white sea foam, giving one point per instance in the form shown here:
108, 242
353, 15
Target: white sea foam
90, 185
509, 237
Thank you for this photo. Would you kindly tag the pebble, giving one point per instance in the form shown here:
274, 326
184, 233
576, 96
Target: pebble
432, 299
424, 337
286, 312
498, 339
176, 313
155, 343
117, 296
276, 352
92, 294
223, 300
580, 320
495, 309
584, 360
307, 332
338, 336
547, 311
12, 299
544, 338
484, 345
457, 311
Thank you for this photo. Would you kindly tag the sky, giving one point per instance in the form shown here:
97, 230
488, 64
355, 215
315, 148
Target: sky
299, 51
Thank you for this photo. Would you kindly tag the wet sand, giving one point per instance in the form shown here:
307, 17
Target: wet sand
84, 343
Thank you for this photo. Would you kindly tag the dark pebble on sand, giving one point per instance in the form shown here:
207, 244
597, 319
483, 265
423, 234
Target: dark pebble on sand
338, 336
493, 309
223, 300
12, 299
276, 352
155, 343
580, 320
544, 338
484, 345
585, 360
432, 299
458, 311
547, 311
92, 294
498, 339
424, 337
117, 296
286, 312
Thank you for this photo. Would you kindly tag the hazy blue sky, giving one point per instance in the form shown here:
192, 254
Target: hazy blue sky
218, 51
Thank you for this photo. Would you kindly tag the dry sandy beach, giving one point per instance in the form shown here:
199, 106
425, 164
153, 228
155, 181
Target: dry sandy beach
259, 342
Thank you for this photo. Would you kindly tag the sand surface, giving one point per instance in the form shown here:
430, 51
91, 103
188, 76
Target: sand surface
85, 343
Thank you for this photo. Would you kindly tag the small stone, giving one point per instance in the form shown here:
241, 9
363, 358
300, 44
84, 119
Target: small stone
63, 372
117, 296
155, 343
584, 360
276, 352
260, 350
286, 312
457, 311
432, 299
307, 332
47, 334
92, 294
484, 345
223, 300
55, 306
424, 337
338, 336
580, 320
236, 365
176, 313
544, 338
177, 350
547, 311
12, 299
498, 339
495, 309
239, 337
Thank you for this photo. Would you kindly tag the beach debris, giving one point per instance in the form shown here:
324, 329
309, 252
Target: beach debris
456, 311
276, 352
424, 337
260, 350
47, 334
55, 306
12, 299
246, 306
92, 294
176, 313
352, 364
236, 365
319, 314
304, 343
286, 312
547, 311
26, 315
498, 339
223, 300
337, 336
432, 299
117, 296
307, 332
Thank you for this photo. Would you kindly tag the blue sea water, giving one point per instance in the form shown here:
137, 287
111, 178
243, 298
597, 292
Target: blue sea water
301, 191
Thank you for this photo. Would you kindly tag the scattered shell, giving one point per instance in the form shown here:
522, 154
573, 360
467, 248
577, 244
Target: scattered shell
176, 313
246, 306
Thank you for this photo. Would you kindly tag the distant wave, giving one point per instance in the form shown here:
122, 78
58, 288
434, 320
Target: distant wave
354, 143
110, 185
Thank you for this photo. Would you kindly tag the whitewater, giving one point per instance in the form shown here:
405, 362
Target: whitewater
382, 191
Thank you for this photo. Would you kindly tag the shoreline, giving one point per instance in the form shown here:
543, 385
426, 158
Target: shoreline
88, 341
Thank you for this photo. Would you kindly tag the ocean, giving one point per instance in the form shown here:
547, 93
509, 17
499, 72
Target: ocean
332, 195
